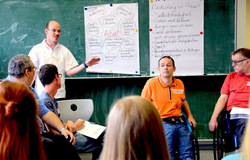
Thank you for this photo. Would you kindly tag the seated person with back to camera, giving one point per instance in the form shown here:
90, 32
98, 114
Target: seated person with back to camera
134, 131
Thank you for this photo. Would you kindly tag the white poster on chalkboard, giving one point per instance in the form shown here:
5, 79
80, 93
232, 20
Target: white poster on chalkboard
111, 33
177, 30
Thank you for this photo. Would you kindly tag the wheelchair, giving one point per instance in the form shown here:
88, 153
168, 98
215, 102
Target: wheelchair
195, 144
224, 140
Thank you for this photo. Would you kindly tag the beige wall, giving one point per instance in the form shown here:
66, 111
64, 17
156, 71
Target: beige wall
243, 24
248, 24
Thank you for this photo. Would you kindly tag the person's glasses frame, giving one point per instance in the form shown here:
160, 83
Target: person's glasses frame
59, 75
236, 62
34, 68
54, 30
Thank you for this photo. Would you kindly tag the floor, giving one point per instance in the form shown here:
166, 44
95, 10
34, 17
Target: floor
204, 155
85, 156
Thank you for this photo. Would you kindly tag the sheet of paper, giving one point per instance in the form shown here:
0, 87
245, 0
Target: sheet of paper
92, 130
112, 34
237, 110
237, 113
176, 30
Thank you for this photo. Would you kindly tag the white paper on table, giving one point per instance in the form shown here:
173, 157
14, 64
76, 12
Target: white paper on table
237, 113
92, 130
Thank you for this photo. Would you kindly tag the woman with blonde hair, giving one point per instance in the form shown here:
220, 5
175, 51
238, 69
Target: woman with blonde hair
20, 134
134, 132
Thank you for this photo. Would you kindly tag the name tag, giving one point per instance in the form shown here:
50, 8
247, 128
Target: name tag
248, 83
177, 91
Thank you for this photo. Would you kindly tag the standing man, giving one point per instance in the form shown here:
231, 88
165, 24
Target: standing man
167, 94
50, 51
235, 93
50, 78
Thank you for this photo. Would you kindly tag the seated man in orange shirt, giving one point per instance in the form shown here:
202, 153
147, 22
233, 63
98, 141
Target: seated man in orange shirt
167, 94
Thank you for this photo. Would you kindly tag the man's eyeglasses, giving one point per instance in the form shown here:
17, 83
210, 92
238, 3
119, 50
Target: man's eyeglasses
55, 30
34, 68
236, 62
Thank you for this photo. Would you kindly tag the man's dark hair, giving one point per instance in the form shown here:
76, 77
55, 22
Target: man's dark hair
18, 65
243, 51
47, 25
168, 58
47, 73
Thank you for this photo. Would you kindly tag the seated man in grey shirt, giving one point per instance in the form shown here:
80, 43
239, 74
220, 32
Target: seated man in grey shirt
49, 77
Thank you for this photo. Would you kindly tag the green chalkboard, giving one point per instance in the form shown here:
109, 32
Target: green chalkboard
23, 22
219, 35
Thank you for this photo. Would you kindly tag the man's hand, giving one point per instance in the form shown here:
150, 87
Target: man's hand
79, 124
92, 61
192, 121
70, 126
213, 124
66, 134
220, 105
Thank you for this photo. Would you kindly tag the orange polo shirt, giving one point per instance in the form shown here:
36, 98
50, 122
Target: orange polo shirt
167, 99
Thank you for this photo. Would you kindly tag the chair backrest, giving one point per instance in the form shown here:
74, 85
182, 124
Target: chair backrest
76, 109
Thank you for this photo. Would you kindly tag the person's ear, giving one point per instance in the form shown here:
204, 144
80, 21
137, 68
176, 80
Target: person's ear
158, 68
46, 31
57, 78
248, 61
174, 69
27, 73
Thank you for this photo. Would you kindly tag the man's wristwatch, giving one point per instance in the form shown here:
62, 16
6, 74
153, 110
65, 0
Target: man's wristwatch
62, 129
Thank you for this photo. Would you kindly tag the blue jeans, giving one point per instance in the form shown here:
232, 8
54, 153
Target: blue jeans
179, 137
239, 125
89, 145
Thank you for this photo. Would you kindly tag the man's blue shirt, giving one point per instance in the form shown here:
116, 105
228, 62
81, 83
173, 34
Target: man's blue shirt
42, 108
